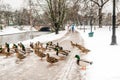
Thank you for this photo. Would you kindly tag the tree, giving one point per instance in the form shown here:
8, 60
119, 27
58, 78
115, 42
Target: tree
73, 11
5, 13
56, 13
108, 19
100, 4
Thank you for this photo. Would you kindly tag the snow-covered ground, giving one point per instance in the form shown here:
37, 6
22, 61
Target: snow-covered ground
105, 57
15, 29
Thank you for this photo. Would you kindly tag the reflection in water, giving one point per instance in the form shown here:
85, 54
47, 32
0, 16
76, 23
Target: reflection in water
13, 38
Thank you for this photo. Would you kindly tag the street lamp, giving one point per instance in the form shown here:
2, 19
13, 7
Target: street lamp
114, 25
91, 19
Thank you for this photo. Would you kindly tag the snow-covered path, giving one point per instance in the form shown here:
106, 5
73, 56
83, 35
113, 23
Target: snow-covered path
32, 68
70, 71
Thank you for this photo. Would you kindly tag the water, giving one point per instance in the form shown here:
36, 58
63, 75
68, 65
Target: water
14, 38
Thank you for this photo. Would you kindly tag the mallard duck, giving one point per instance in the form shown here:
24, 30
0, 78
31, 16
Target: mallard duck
64, 52
39, 53
14, 46
78, 60
6, 51
1, 49
51, 59
85, 50
72, 44
31, 45
82, 48
19, 55
7, 47
48, 44
37, 45
7, 54
22, 46
58, 48
42, 48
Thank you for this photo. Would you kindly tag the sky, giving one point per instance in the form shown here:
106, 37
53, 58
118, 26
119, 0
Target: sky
105, 57
17, 4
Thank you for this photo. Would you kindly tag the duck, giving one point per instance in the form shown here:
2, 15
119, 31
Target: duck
7, 47
36, 45
58, 48
79, 59
22, 46
39, 53
72, 44
82, 48
51, 59
6, 51
7, 54
31, 45
19, 55
42, 48
64, 52
1, 49
14, 46
48, 44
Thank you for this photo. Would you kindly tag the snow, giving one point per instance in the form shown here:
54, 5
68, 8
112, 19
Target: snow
15, 29
105, 59
47, 37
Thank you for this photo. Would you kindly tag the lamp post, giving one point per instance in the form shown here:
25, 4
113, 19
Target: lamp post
91, 16
114, 25
91, 19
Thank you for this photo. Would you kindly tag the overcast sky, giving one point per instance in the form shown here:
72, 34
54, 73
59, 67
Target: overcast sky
17, 4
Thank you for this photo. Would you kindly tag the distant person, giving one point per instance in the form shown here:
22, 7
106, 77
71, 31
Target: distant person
73, 27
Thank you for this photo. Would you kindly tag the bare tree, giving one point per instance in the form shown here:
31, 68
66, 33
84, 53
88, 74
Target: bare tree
56, 13
100, 4
6, 13
73, 11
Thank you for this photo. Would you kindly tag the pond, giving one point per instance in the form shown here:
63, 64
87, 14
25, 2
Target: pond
14, 38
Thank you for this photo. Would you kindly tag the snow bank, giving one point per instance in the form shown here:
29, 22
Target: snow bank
15, 29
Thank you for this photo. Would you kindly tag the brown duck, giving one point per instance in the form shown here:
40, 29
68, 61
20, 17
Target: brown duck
40, 53
19, 55
51, 59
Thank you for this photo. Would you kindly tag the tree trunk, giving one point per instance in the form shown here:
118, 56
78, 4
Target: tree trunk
100, 18
56, 31
57, 26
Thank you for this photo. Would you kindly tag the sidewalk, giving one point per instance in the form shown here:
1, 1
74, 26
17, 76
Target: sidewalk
71, 71
32, 68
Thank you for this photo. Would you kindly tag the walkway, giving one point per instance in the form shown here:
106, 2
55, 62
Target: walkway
32, 68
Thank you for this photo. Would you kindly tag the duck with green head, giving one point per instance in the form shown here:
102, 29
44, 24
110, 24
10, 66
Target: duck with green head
78, 59
7, 46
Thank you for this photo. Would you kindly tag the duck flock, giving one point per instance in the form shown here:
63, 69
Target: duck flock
39, 49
